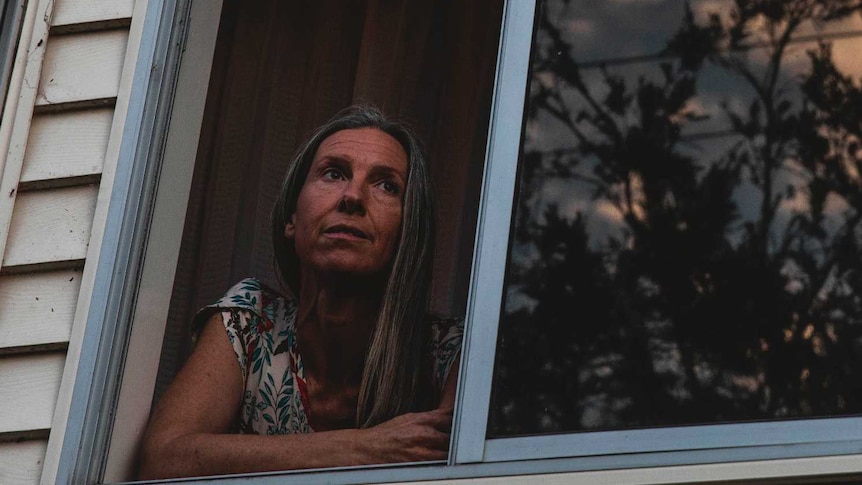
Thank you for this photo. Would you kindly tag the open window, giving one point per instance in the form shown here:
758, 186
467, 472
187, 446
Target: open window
665, 276
275, 71
280, 70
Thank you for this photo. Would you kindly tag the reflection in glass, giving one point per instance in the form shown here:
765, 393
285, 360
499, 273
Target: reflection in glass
687, 245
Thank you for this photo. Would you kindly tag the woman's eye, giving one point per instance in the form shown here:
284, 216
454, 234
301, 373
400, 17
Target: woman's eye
390, 186
332, 174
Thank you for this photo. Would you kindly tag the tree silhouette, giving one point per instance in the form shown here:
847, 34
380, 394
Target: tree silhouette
690, 306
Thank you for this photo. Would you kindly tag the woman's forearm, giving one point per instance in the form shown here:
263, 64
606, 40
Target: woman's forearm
407, 438
221, 454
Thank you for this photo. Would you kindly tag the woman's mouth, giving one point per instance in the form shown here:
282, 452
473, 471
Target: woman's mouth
345, 230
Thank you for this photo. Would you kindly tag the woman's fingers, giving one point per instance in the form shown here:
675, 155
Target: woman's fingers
440, 441
441, 420
436, 426
417, 436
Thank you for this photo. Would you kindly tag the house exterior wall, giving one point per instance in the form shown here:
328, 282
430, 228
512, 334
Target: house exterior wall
58, 143
56, 130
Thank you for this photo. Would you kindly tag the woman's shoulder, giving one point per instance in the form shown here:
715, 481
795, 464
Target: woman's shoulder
253, 295
442, 326
256, 300
446, 337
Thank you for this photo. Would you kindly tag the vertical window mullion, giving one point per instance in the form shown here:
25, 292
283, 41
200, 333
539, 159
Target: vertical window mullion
492, 234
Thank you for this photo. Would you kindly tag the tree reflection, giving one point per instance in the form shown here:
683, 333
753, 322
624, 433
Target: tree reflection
689, 303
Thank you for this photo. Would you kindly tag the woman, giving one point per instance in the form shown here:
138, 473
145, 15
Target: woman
345, 372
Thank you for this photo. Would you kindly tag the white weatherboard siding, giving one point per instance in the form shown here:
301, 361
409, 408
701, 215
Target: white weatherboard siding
28, 390
21, 463
45, 300
66, 145
50, 226
71, 13
54, 160
71, 63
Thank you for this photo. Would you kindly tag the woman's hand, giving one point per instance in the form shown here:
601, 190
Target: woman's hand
416, 436
411, 437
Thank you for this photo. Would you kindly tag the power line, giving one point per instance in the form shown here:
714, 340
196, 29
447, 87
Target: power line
615, 61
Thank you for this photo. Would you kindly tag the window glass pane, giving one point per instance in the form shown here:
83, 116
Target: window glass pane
687, 242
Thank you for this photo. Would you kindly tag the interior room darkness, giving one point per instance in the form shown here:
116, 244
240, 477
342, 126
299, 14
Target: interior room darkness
281, 69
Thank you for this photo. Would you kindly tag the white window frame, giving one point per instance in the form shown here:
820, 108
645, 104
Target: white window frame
136, 268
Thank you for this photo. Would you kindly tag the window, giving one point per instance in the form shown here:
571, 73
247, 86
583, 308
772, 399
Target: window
600, 94
685, 247
276, 70
687, 238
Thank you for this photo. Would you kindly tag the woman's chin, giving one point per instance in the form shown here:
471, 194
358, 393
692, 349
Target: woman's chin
350, 271
348, 263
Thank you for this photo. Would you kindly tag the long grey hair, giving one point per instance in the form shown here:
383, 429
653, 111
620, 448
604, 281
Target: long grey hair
394, 380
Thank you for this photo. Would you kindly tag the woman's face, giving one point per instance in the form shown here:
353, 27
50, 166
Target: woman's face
348, 215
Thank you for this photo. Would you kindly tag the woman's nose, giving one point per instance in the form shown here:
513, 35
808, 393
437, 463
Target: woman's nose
352, 200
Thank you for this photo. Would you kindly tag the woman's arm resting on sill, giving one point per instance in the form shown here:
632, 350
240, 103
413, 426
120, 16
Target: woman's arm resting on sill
187, 433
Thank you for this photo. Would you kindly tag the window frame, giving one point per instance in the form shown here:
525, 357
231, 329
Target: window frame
77, 447
133, 286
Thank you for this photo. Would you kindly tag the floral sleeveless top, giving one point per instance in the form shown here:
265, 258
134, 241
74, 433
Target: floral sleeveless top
261, 326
